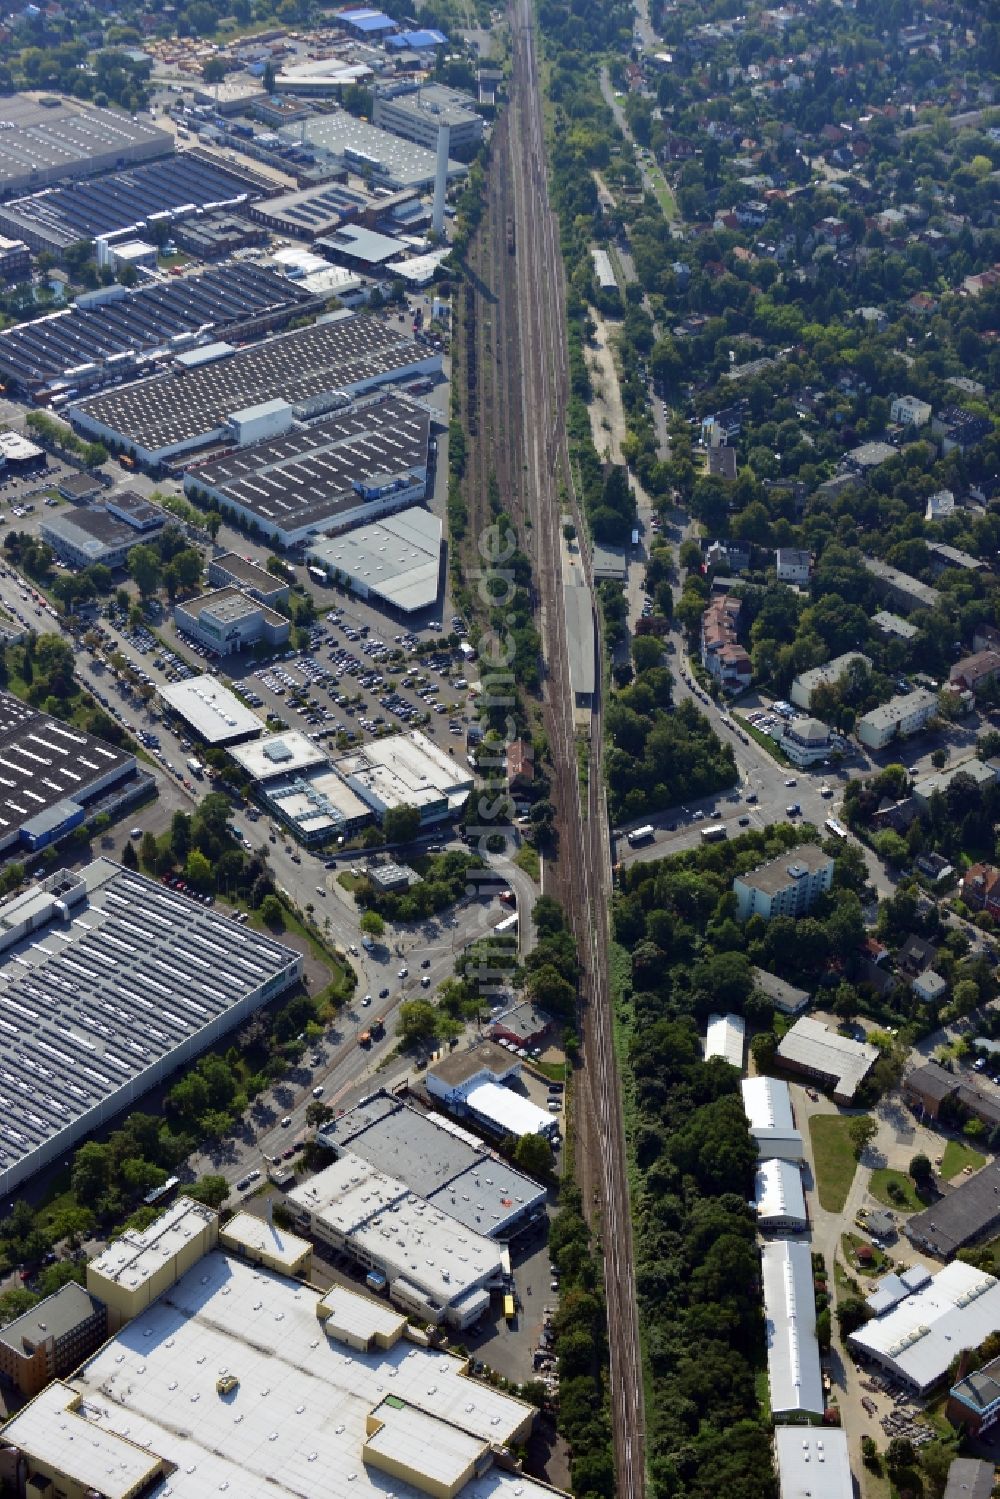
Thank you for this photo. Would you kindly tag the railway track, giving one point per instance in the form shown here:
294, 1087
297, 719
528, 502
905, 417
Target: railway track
583, 867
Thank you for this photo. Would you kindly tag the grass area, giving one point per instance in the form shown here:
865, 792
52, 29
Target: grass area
762, 1388
527, 859
556, 1072
958, 1155
350, 882
662, 193
881, 1181
849, 1248
764, 740
833, 1154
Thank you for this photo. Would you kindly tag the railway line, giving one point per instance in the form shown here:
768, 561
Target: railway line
583, 868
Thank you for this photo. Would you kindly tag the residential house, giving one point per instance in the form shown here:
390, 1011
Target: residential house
945, 557
922, 303
980, 887
961, 429
977, 671
721, 653
793, 565
734, 556
788, 885
900, 588
830, 672
939, 505
520, 764
986, 638
915, 955
897, 719
722, 462
806, 742
910, 411
981, 771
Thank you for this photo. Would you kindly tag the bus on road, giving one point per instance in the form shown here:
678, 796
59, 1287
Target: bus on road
714, 833
836, 828
645, 834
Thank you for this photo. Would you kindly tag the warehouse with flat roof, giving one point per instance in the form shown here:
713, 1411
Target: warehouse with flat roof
408, 770
295, 779
329, 1395
51, 139
396, 560
108, 334
102, 533
213, 713
440, 1162
109, 983
835, 1061
178, 186
813, 1464
363, 462
483, 1085
51, 774
767, 1103
366, 151
314, 368
255, 580
416, 111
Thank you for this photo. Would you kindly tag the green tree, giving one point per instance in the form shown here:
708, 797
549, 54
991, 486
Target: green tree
211, 1190
861, 1131
418, 1022
198, 871
533, 1156
272, 913
401, 824
372, 924
144, 569
921, 1169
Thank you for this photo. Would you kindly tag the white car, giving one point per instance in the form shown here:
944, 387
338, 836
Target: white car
403, 972
366, 1001
318, 1091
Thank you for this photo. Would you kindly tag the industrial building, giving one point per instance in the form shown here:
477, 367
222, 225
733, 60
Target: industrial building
478, 1085
201, 399
434, 1267
835, 1061
297, 782
965, 1215
416, 111
974, 1399
137, 981
725, 1038
260, 1241
795, 1383
15, 260
52, 139
893, 1288
243, 1380
813, 1464
408, 770
767, 1103
231, 568
920, 1336
229, 620
212, 713
319, 77
312, 212
366, 151
361, 249
396, 561
102, 533
20, 455
779, 1199
179, 186
827, 675
52, 775
785, 886
363, 462
441, 1163
108, 335
52, 1338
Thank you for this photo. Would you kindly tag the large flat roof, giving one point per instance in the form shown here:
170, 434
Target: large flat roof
311, 474
793, 1370
580, 638
170, 412
362, 147
398, 558
296, 1424
406, 770
45, 762
920, 1337
278, 755
507, 1111
814, 1046
317, 802
442, 1163
813, 1464
215, 713
117, 982
777, 873
138, 1255
45, 141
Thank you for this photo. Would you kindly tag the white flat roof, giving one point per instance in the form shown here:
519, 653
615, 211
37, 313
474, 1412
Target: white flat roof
257, 1234
295, 1425
398, 558
724, 1038
316, 800
277, 754
778, 1193
921, 1335
136, 1256
813, 1463
793, 1370
408, 1436
814, 1045
767, 1103
361, 1315
406, 1236
215, 713
407, 769
515, 1113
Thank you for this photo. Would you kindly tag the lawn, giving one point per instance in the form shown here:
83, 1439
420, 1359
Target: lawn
849, 1248
764, 740
833, 1154
883, 1178
527, 859
958, 1155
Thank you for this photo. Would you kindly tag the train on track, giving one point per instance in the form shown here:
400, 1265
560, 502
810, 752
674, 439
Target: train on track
510, 234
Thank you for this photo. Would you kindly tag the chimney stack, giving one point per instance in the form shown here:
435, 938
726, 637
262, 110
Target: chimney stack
441, 178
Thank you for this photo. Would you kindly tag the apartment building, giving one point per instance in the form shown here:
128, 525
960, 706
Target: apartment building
786, 886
